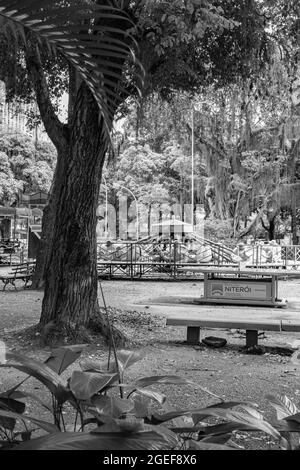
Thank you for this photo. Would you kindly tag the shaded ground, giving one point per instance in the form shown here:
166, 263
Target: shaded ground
227, 372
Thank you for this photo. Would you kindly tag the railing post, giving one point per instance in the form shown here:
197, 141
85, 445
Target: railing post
131, 262
175, 257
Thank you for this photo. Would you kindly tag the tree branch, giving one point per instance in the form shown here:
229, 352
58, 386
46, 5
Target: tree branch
264, 225
205, 142
56, 130
248, 229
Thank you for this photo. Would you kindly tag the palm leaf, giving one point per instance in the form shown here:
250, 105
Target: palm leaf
75, 33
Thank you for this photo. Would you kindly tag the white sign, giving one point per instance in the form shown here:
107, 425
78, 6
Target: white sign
238, 290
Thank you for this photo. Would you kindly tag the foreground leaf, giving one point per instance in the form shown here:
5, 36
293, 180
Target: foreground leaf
128, 425
86, 384
141, 406
8, 404
170, 380
133, 426
283, 405
295, 358
295, 417
156, 396
163, 379
64, 356
148, 440
125, 360
193, 445
240, 418
112, 406
18, 394
164, 417
41, 372
49, 427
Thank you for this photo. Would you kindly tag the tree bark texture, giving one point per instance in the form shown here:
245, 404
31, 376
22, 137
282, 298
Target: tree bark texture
49, 218
71, 260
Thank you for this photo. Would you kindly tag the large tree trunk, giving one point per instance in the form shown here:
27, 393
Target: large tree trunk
48, 220
71, 261
47, 224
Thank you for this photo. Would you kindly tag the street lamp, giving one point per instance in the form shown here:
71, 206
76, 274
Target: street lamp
106, 207
192, 195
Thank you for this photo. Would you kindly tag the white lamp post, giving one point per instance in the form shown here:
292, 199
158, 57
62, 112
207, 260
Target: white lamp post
106, 207
192, 195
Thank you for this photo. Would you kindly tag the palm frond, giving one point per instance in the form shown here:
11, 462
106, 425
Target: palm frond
87, 37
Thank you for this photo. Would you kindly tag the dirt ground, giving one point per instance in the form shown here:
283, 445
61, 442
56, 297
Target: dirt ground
226, 372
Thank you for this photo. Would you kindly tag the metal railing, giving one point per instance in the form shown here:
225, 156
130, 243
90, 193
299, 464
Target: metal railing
164, 258
284, 256
159, 258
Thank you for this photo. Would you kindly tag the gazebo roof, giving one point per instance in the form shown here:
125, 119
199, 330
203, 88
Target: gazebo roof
170, 222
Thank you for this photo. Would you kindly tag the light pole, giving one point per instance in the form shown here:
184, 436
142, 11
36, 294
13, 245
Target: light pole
106, 207
137, 208
192, 195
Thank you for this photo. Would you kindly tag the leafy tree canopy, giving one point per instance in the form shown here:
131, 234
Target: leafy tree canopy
183, 45
24, 166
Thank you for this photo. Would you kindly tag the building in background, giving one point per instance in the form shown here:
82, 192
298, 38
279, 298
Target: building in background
23, 223
14, 118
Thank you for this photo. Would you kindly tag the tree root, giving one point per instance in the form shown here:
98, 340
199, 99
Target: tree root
97, 325
55, 334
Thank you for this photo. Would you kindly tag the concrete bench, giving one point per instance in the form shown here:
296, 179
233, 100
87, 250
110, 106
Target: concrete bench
252, 327
189, 312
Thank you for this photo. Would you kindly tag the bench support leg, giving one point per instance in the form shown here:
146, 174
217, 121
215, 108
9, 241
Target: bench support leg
251, 338
193, 334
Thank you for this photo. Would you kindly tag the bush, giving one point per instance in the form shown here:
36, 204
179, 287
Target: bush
109, 414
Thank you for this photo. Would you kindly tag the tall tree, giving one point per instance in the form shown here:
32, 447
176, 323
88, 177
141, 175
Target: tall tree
95, 40
178, 40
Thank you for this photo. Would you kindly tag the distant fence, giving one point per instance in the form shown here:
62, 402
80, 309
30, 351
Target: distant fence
284, 256
164, 258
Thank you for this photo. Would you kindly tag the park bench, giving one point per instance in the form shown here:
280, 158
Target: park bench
252, 328
21, 272
251, 321
11, 252
190, 314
